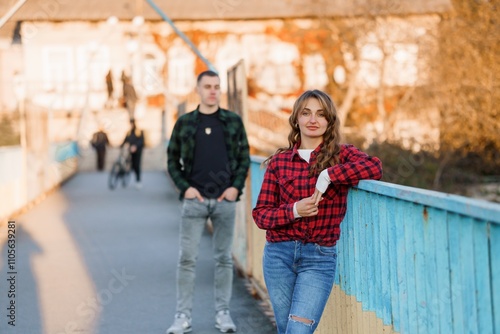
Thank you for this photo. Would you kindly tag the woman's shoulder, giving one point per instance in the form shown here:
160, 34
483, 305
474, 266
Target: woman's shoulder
186, 119
280, 156
349, 150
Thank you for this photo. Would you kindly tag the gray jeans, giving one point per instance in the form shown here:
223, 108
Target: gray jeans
194, 219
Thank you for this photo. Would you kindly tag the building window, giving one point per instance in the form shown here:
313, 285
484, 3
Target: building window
399, 65
58, 69
276, 73
315, 72
392, 51
181, 61
152, 82
93, 65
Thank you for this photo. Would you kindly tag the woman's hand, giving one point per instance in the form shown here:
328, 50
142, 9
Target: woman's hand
317, 196
307, 207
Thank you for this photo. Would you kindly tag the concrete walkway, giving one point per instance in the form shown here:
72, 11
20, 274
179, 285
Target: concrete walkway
91, 260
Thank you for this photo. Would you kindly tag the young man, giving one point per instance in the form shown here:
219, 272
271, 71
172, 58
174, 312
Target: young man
135, 140
208, 160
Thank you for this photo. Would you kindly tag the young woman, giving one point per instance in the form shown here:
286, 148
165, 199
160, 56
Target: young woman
301, 205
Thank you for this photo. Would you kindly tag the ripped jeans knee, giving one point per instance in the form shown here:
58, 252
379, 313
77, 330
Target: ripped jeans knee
305, 321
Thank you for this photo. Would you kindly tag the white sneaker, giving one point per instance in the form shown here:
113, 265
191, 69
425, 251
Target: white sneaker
224, 322
182, 324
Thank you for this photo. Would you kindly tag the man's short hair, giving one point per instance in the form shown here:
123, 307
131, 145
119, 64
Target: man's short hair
206, 73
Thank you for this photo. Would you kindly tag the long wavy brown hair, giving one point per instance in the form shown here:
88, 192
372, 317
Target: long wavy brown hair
330, 150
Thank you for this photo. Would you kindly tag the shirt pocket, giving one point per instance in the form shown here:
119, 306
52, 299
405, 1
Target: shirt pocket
331, 192
288, 189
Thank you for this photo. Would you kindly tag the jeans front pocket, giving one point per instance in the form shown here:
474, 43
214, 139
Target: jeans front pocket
192, 207
327, 250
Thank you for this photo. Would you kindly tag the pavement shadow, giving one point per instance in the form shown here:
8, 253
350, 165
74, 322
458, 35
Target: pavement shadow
18, 283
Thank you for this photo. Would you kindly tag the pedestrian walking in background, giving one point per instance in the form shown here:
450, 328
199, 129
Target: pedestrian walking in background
208, 160
123, 78
100, 142
135, 141
301, 205
109, 87
130, 96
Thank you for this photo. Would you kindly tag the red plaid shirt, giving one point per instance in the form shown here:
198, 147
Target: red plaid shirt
286, 181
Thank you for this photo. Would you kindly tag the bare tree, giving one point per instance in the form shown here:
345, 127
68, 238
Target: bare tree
385, 95
469, 74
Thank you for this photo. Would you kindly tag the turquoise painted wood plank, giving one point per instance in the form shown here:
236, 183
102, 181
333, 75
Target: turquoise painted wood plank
468, 293
430, 238
351, 247
347, 241
369, 302
401, 252
410, 265
495, 274
342, 253
257, 176
443, 272
358, 255
419, 216
378, 300
483, 278
363, 263
385, 260
456, 271
467, 206
393, 262
347, 257
349, 244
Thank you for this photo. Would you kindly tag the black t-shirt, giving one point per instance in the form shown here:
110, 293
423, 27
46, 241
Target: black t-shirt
135, 137
211, 174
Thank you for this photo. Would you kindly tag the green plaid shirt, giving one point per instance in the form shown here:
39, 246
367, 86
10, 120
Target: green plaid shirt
180, 150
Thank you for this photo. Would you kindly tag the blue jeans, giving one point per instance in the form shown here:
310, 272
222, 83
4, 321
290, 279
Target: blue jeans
194, 218
299, 279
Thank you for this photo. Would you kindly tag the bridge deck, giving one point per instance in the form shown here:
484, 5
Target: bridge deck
91, 260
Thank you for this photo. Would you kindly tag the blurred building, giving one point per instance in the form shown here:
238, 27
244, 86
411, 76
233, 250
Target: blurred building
370, 55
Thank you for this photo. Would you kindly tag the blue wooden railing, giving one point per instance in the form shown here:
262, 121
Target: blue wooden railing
423, 261
66, 150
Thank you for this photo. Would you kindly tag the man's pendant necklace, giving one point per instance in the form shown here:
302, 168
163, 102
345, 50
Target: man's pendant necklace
208, 131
